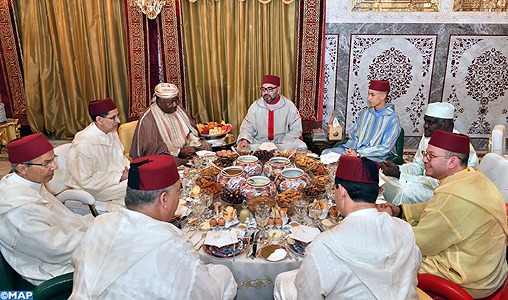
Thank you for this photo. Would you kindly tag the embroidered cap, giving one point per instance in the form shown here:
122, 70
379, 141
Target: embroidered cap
27, 148
166, 90
271, 80
442, 110
454, 142
357, 169
153, 172
379, 85
97, 107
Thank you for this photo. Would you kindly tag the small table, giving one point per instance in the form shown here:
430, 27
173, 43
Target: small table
317, 146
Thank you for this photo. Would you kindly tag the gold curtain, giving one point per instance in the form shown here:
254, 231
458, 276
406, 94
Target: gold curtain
228, 46
73, 52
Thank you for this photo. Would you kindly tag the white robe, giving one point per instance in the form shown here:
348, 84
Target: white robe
38, 234
369, 255
413, 186
287, 127
95, 163
128, 255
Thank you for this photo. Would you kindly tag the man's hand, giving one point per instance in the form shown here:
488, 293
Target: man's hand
206, 146
350, 152
243, 145
125, 174
390, 169
392, 209
187, 151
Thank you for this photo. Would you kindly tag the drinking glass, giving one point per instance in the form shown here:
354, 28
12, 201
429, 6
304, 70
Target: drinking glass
262, 216
301, 209
315, 214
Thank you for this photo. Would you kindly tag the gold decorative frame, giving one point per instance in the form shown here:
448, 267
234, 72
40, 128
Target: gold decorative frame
396, 5
494, 6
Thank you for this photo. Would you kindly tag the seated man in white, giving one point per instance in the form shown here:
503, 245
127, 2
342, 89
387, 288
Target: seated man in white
95, 161
135, 253
272, 118
408, 183
369, 255
38, 234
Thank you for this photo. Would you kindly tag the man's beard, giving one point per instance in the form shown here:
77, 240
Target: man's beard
268, 98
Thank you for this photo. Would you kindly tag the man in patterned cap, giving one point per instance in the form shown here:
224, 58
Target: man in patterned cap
271, 118
409, 183
462, 230
165, 128
369, 255
135, 253
95, 161
377, 128
38, 234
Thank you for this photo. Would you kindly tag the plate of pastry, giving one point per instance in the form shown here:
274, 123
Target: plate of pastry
273, 252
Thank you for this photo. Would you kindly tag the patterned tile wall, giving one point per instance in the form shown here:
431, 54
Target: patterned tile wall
425, 58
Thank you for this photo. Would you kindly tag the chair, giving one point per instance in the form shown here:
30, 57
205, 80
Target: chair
497, 141
495, 167
75, 200
443, 289
59, 287
126, 133
440, 288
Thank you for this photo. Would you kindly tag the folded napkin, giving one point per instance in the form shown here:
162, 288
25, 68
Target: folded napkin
277, 255
223, 238
329, 158
205, 153
267, 146
304, 233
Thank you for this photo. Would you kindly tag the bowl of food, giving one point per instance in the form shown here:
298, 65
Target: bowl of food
214, 130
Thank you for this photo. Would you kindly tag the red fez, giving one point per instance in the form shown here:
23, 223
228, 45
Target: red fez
379, 85
98, 107
27, 148
271, 79
453, 142
357, 169
153, 172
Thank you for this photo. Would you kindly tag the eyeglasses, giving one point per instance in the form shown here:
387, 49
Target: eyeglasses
431, 156
268, 89
113, 118
45, 164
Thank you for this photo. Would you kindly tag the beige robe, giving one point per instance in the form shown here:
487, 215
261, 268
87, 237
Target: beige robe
462, 232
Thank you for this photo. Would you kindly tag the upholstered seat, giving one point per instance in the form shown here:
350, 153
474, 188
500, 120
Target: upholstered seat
495, 167
126, 133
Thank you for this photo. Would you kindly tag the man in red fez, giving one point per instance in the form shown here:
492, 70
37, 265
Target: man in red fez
271, 119
408, 183
95, 161
462, 230
166, 128
377, 128
38, 233
368, 255
137, 242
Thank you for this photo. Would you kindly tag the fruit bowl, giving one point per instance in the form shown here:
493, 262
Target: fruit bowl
214, 130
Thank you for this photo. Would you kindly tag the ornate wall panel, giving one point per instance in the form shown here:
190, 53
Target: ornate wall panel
12, 89
476, 82
138, 60
330, 77
309, 84
406, 61
171, 52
